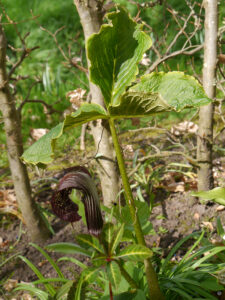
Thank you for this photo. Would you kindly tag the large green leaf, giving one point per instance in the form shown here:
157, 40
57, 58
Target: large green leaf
135, 252
114, 53
217, 195
160, 92
68, 248
114, 274
87, 241
41, 152
138, 104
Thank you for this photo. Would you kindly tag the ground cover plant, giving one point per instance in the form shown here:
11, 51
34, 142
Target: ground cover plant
115, 71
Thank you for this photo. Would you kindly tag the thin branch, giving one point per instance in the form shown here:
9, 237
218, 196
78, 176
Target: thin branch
70, 60
25, 53
48, 106
185, 51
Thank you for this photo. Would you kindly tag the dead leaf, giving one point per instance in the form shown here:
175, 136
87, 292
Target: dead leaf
76, 97
183, 127
8, 203
196, 217
220, 208
43, 262
145, 60
37, 133
10, 284
221, 58
176, 187
207, 225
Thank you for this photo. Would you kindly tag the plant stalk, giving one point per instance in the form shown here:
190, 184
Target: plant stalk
126, 275
110, 291
154, 290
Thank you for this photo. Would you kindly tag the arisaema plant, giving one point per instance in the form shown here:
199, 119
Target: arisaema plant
114, 53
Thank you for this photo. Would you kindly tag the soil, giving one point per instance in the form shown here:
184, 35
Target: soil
175, 215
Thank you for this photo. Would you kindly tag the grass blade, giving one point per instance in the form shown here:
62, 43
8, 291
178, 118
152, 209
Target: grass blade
48, 287
73, 260
35, 291
50, 260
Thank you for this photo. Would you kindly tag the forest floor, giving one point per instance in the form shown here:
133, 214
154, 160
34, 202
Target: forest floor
175, 213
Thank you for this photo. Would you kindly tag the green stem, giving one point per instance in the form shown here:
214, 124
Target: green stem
154, 290
126, 275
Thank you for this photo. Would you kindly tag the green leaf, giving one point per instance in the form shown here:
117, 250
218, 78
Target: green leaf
48, 287
160, 92
98, 259
64, 289
41, 152
207, 256
50, 279
113, 272
73, 260
68, 248
86, 113
176, 89
35, 291
89, 274
138, 104
79, 290
107, 232
219, 226
114, 53
49, 259
117, 238
86, 277
217, 195
135, 252
87, 241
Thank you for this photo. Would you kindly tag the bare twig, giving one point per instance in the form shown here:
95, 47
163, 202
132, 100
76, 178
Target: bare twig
27, 100
48, 106
187, 51
68, 58
188, 48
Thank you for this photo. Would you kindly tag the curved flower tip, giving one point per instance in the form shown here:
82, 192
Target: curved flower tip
78, 178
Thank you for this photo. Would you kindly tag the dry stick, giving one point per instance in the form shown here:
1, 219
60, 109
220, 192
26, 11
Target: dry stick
67, 58
186, 50
48, 106
173, 54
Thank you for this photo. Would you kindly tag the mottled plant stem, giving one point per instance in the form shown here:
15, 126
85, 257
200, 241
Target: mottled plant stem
154, 290
126, 275
110, 291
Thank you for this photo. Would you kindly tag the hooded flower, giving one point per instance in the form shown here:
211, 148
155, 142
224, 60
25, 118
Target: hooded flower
78, 178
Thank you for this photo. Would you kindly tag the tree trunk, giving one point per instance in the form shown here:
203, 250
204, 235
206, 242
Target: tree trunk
205, 133
91, 19
35, 225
